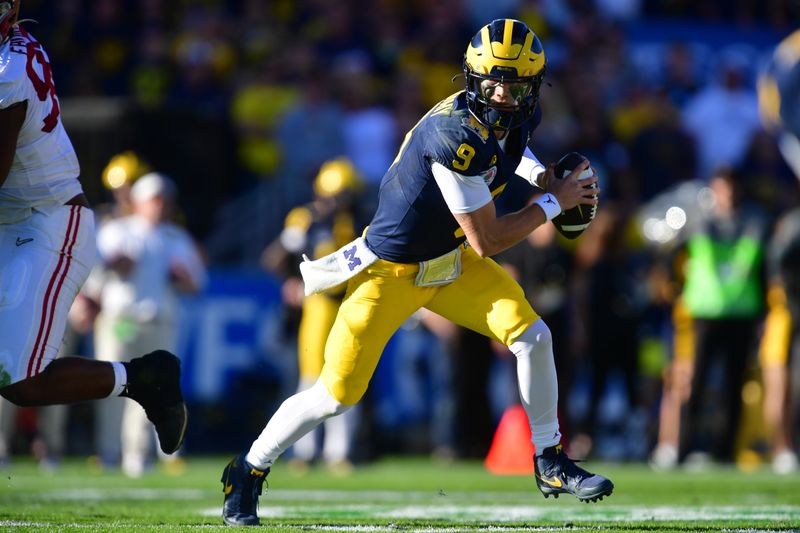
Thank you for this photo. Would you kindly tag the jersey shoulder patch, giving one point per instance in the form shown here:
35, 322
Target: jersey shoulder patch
470, 122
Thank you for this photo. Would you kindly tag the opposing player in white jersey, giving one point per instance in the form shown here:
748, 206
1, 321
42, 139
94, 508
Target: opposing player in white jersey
48, 246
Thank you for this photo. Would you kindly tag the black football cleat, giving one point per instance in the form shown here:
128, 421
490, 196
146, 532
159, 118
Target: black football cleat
556, 473
154, 382
242, 484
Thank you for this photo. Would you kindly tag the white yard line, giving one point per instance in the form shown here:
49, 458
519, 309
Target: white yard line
460, 507
454, 509
10, 524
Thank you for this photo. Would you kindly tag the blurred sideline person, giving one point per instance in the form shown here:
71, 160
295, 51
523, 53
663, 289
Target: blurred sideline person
779, 105
317, 229
428, 245
718, 312
147, 262
47, 248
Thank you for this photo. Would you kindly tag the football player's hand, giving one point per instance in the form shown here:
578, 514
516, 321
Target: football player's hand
571, 191
180, 276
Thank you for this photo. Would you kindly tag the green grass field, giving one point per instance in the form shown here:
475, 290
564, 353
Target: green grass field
397, 495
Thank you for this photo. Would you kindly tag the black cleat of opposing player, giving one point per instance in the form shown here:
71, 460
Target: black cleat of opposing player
556, 473
242, 484
154, 382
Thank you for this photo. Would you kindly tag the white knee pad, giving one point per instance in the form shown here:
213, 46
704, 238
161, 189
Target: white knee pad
534, 340
327, 406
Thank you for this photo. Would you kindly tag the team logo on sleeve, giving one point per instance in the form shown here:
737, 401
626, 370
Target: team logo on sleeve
473, 124
489, 175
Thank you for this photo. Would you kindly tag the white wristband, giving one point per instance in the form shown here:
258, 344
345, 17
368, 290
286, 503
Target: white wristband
549, 205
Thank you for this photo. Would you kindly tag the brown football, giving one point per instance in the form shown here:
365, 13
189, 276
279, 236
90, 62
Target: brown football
572, 222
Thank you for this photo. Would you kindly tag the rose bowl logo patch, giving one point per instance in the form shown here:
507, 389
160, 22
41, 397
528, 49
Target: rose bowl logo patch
489, 175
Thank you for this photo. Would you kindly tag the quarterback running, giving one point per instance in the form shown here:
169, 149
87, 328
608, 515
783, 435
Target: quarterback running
429, 245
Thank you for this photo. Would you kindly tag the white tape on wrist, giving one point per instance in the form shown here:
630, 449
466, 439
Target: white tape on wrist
549, 205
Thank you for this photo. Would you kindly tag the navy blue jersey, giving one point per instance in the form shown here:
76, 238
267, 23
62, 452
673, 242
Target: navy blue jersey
412, 222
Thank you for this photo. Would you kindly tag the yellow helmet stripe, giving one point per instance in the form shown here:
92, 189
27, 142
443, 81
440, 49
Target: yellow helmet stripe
505, 48
508, 33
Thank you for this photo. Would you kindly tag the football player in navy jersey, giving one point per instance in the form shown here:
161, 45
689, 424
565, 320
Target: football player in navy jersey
429, 246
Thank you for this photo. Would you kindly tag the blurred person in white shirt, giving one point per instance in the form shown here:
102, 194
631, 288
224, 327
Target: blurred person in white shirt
147, 262
723, 116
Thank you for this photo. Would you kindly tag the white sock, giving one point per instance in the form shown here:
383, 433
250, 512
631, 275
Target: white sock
120, 379
296, 416
538, 384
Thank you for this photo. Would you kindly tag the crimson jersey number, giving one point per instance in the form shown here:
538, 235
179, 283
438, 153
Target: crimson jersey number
43, 86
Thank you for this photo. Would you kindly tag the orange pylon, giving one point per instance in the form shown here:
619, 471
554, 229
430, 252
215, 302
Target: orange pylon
511, 451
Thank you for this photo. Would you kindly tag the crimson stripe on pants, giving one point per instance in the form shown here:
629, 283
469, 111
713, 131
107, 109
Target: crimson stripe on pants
46, 300
54, 300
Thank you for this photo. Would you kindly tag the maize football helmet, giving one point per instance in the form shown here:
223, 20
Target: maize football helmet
337, 176
123, 169
8, 18
506, 52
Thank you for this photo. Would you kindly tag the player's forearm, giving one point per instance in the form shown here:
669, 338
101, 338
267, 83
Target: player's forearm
490, 235
514, 227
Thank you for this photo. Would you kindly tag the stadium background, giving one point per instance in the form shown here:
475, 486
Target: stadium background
240, 102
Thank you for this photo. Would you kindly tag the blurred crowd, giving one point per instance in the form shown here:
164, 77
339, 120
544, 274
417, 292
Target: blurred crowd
242, 102
280, 87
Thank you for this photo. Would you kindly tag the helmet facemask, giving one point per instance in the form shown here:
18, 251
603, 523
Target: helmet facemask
524, 92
